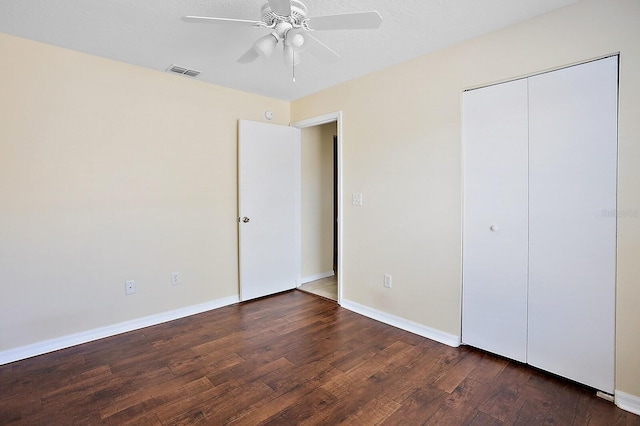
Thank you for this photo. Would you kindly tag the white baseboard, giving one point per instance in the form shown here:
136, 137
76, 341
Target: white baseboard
401, 323
63, 342
628, 402
316, 277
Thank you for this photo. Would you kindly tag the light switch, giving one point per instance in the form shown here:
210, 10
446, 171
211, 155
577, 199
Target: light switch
356, 199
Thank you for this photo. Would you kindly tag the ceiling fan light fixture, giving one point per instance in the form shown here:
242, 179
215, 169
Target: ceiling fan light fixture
289, 23
291, 56
297, 40
265, 46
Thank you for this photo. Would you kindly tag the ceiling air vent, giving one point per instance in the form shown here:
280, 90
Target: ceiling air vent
184, 71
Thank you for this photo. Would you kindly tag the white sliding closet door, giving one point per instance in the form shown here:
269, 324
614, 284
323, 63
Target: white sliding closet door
495, 219
539, 233
572, 158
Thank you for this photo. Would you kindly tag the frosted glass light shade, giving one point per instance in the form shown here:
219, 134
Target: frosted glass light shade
297, 40
265, 46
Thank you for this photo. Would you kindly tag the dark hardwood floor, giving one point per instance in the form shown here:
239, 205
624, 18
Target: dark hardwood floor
286, 360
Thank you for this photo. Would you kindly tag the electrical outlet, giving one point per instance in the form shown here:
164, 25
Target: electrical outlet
129, 287
388, 283
175, 278
356, 199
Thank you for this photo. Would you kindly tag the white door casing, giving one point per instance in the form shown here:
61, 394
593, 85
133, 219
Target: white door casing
269, 208
317, 121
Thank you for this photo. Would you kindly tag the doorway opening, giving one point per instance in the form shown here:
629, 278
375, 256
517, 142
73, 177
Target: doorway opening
320, 206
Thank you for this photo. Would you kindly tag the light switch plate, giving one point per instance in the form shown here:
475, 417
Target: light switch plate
388, 281
175, 278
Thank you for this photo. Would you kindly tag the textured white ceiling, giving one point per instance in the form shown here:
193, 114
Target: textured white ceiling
150, 33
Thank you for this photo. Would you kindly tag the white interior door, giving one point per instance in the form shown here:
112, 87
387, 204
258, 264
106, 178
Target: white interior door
573, 153
495, 219
269, 208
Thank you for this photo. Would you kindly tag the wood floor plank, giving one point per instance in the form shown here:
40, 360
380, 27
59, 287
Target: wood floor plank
419, 406
500, 403
287, 379
271, 408
14, 408
358, 387
237, 400
488, 368
314, 403
482, 419
290, 359
373, 412
154, 392
452, 377
460, 406
249, 371
358, 352
407, 378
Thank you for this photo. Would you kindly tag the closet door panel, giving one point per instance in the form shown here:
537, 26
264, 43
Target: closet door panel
495, 219
572, 238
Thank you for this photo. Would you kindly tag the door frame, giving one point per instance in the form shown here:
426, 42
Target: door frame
333, 117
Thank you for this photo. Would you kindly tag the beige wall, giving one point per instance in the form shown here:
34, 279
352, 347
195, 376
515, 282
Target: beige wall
402, 150
110, 172
317, 199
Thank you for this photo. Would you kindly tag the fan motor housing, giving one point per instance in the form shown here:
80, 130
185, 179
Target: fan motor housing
298, 14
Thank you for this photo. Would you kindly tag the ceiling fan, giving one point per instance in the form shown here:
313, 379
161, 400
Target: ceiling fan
290, 24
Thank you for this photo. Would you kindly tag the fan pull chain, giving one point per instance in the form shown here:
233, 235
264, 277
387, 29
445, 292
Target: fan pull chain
293, 64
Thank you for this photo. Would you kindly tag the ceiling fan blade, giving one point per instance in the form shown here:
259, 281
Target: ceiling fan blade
319, 50
280, 7
347, 21
223, 21
250, 56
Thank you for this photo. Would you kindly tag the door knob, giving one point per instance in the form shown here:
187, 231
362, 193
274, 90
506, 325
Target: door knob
493, 228
246, 219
